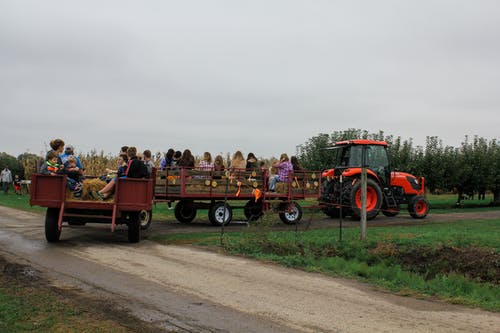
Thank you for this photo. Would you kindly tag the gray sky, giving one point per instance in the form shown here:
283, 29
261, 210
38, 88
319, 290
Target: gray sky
260, 76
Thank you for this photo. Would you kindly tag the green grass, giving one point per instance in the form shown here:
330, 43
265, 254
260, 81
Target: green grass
19, 202
376, 260
30, 309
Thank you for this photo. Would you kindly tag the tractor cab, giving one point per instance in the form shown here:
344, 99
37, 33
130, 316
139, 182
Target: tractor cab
349, 159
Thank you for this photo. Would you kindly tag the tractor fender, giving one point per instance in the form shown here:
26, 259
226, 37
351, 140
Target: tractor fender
354, 172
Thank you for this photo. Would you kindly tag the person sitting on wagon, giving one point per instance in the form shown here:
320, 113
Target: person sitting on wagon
285, 168
219, 167
148, 161
167, 160
252, 163
135, 169
51, 167
186, 160
74, 175
206, 165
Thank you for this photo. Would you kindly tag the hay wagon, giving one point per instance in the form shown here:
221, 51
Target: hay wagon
131, 197
221, 193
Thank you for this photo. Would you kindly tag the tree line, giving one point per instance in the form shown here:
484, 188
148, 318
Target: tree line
471, 168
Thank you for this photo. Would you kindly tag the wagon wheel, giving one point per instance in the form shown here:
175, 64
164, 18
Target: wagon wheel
290, 213
145, 218
418, 207
253, 210
185, 211
134, 227
52, 232
220, 213
373, 199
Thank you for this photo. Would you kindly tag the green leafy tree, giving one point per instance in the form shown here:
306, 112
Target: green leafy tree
494, 170
13, 163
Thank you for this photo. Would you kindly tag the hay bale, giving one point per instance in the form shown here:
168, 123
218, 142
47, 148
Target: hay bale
90, 185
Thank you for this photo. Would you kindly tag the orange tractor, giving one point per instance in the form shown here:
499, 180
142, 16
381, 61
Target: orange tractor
386, 190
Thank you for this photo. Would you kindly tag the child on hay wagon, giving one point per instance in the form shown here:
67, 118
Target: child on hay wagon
52, 168
74, 175
135, 169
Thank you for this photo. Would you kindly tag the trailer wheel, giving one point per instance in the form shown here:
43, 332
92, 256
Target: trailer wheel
290, 213
373, 199
134, 227
220, 213
185, 212
52, 232
253, 210
145, 217
418, 207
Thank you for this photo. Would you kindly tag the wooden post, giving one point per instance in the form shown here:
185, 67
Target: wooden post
363, 194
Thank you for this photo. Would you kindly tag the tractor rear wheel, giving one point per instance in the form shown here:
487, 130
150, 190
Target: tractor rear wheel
418, 207
373, 199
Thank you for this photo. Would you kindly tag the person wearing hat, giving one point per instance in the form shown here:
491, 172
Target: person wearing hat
69, 150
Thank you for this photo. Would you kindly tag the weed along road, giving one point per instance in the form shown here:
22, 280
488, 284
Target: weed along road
181, 289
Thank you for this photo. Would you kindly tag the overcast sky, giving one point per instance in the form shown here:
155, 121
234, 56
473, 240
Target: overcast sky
257, 76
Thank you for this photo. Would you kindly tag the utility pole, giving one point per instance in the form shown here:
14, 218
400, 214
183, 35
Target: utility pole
363, 194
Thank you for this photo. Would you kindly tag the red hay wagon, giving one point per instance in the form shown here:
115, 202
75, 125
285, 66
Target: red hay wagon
194, 189
131, 197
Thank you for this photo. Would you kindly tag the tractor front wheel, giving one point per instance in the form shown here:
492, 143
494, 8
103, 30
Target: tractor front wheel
418, 207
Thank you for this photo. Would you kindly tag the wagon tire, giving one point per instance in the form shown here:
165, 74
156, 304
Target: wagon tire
373, 199
145, 218
290, 213
217, 216
185, 211
52, 231
418, 207
134, 227
253, 210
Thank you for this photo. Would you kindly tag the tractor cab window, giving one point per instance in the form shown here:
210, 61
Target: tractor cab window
376, 159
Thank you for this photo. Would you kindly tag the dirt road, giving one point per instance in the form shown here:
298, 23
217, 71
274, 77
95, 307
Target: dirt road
182, 289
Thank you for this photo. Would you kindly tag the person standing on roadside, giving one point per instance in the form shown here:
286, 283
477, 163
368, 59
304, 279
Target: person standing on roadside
6, 178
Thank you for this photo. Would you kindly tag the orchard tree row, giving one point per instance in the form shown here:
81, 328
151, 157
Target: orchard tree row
474, 167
